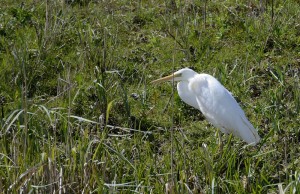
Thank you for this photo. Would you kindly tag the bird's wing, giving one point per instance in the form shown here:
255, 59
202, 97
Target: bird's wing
221, 109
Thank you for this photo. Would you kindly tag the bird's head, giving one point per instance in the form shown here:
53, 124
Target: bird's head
181, 75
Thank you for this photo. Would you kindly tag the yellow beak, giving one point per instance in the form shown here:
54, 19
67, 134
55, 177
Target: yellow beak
164, 79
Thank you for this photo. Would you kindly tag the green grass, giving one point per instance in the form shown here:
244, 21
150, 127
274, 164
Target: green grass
78, 112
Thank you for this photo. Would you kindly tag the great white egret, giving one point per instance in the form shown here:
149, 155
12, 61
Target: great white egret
207, 94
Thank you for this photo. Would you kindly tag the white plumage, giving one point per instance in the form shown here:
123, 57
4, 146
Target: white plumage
207, 94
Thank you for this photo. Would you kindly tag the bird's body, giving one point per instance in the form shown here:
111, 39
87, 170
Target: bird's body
207, 94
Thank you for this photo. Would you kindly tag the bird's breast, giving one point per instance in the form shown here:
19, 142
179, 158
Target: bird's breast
186, 94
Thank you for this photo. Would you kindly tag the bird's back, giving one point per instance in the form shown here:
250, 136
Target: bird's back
221, 109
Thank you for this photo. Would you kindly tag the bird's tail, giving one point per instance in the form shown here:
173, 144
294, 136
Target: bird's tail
254, 138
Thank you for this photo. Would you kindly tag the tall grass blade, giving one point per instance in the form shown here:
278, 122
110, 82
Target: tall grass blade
120, 155
10, 123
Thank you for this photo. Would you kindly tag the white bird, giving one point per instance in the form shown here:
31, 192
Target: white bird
207, 94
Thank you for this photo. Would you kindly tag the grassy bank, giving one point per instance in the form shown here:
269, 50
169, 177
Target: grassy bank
78, 112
